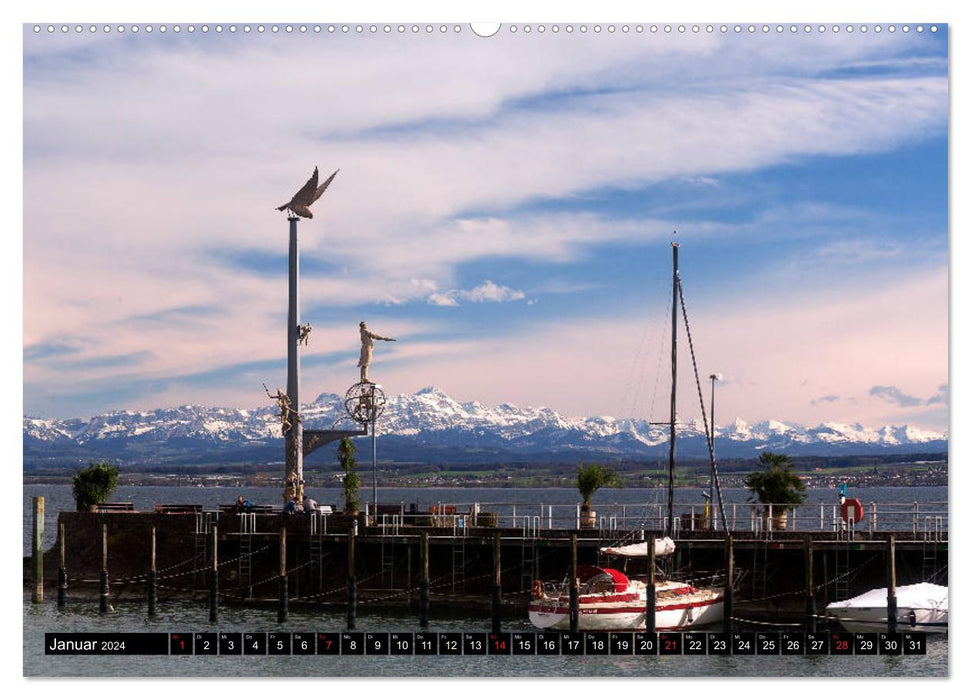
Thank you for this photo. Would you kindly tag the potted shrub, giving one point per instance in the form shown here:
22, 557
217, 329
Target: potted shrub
590, 479
776, 484
351, 480
94, 484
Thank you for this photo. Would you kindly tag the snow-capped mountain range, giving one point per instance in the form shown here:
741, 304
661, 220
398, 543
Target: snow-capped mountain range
429, 426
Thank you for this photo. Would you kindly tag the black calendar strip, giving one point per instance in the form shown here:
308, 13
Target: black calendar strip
387, 644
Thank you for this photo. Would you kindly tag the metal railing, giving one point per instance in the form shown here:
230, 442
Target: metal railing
923, 520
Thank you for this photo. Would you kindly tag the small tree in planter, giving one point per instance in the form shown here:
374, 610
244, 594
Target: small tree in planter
352, 482
590, 479
94, 484
775, 483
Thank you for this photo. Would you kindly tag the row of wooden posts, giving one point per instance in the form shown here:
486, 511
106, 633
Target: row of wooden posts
423, 605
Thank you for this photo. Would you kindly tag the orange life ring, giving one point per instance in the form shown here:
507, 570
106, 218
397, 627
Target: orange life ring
537, 589
857, 510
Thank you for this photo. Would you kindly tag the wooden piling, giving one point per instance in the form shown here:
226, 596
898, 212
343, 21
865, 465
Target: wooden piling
37, 550
650, 620
351, 583
729, 584
574, 587
496, 584
423, 601
283, 610
214, 577
152, 579
810, 590
61, 569
104, 568
891, 584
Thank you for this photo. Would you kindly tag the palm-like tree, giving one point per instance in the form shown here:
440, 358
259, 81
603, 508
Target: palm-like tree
591, 478
776, 483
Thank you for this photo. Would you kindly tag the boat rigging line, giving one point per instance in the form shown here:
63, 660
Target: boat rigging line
709, 434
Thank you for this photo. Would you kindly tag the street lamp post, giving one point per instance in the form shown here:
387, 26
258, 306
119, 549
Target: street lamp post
714, 378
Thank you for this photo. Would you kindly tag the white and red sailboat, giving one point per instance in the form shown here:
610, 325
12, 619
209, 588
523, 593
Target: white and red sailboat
609, 600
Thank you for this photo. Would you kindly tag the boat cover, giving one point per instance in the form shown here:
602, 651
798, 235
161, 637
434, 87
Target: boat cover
585, 572
663, 546
917, 596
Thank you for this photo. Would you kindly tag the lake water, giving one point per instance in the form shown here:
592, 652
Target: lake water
185, 617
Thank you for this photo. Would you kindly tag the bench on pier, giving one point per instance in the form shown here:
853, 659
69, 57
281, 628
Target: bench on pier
116, 508
177, 509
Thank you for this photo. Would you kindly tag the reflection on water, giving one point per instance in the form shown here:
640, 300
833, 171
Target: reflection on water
130, 617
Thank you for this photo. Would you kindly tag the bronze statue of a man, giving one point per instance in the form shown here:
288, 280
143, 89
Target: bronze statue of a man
367, 349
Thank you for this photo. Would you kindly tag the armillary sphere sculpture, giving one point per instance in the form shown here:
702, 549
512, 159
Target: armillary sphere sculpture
364, 402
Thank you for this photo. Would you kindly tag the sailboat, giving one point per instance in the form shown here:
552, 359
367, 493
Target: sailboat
606, 598
609, 600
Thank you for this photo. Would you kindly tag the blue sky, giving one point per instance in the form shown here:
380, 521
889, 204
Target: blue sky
504, 208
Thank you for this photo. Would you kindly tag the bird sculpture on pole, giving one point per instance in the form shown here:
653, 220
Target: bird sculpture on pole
307, 195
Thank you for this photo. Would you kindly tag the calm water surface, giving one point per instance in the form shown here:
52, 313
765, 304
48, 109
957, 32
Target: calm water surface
185, 617
84, 617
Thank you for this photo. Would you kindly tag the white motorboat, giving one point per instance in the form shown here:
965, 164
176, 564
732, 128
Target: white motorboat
921, 607
609, 600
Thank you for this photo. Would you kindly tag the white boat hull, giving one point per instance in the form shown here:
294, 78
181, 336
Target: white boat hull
921, 607
693, 610
908, 620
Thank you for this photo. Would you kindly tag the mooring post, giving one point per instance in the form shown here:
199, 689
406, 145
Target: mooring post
729, 584
351, 583
891, 585
810, 590
214, 577
574, 590
37, 550
61, 569
104, 567
496, 583
283, 611
152, 579
423, 600
825, 557
650, 620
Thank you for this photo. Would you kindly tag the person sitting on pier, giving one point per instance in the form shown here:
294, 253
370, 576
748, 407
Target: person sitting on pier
290, 508
243, 505
309, 505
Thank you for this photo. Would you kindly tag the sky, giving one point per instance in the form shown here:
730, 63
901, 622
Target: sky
504, 208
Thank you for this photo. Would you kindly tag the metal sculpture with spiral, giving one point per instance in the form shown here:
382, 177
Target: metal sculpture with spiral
364, 402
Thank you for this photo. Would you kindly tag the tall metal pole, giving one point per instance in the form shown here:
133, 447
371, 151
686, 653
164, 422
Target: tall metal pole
374, 453
711, 487
674, 382
293, 437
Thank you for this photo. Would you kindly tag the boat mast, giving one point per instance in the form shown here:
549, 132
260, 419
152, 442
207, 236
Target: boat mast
674, 383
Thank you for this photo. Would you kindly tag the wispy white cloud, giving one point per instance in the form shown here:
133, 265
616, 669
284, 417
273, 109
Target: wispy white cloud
487, 291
